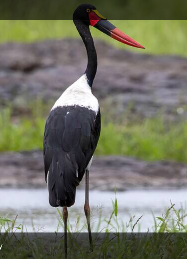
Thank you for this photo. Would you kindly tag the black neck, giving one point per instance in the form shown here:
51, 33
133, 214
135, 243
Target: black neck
86, 36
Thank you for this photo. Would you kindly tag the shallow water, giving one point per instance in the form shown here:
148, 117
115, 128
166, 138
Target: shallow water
33, 209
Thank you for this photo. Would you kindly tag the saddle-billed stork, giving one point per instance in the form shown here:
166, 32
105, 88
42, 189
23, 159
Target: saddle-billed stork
73, 127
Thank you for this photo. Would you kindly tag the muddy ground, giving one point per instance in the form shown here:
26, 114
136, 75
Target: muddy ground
143, 84
25, 170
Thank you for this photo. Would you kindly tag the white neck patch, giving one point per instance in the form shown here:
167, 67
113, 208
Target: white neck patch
79, 93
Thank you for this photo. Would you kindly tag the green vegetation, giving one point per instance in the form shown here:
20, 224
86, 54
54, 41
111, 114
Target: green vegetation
158, 37
165, 242
20, 134
151, 139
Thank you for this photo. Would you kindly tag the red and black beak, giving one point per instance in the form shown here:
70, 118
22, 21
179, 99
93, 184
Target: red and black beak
101, 23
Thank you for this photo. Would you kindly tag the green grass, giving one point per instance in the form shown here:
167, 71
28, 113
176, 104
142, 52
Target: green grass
168, 240
21, 134
151, 139
158, 37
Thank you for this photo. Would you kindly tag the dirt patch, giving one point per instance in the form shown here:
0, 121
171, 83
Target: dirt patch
143, 84
25, 170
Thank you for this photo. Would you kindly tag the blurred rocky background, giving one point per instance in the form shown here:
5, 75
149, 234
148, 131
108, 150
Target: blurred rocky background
143, 97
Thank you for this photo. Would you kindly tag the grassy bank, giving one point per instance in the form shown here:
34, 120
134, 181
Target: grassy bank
168, 241
156, 36
150, 139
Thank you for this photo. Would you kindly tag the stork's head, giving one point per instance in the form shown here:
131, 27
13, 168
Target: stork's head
89, 15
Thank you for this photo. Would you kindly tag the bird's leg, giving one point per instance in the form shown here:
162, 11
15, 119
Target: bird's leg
87, 208
65, 217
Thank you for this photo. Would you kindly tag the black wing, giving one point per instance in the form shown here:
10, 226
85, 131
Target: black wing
70, 138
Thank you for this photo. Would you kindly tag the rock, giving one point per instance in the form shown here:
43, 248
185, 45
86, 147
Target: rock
25, 170
139, 83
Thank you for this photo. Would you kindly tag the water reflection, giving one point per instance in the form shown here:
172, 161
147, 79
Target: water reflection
35, 213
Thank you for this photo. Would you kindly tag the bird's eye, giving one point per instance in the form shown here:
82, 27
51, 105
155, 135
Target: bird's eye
88, 10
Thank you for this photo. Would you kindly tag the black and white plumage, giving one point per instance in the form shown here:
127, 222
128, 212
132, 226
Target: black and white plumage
73, 127
71, 135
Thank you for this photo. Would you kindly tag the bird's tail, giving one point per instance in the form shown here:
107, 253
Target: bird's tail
62, 181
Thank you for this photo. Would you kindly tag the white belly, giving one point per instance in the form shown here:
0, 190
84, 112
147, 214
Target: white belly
79, 93
89, 164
